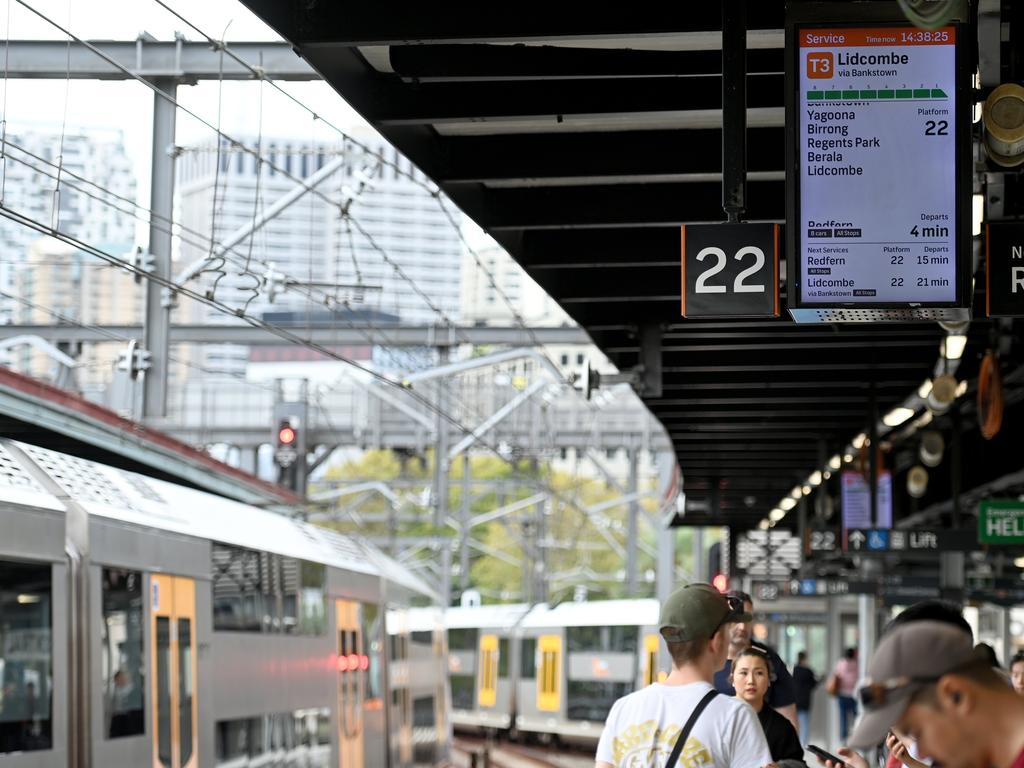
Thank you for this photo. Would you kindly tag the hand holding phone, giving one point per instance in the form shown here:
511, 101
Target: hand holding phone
821, 754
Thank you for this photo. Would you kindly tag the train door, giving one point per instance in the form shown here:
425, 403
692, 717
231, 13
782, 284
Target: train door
487, 690
651, 674
173, 633
353, 663
549, 686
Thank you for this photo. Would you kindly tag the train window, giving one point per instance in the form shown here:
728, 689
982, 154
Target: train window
163, 689
590, 700
185, 688
25, 657
232, 741
313, 617
591, 639
122, 658
262, 592
462, 639
463, 691
528, 654
423, 712
371, 626
422, 637
503, 657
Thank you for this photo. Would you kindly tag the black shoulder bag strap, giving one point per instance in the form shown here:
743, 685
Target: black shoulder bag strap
685, 733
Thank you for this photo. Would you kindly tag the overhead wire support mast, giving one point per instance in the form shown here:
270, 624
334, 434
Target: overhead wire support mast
734, 109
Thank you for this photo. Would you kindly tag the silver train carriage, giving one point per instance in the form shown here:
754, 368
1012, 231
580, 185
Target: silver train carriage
550, 671
147, 624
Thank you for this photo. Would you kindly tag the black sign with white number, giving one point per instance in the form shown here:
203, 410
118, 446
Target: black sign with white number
1004, 269
730, 270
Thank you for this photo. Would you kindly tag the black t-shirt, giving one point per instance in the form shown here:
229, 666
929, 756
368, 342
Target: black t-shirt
783, 742
804, 682
780, 694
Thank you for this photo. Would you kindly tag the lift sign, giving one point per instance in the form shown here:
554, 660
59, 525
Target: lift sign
876, 149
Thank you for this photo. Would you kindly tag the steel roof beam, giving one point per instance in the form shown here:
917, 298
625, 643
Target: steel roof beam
481, 62
624, 205
531, 158
347, 24
440, 103
178, 59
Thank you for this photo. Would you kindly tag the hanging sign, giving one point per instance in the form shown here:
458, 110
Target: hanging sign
730, 270
1004, 269
877, 190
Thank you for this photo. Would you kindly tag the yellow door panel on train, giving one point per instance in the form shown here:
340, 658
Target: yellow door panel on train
549, 685
487, 674
353, 663
651, 645
173, 638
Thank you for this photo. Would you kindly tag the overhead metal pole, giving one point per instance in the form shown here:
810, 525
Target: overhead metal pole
734, 108
157, 329
441, 446
632, 531
464, 526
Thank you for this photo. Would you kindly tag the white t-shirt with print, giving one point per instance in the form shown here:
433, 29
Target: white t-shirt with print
642, 729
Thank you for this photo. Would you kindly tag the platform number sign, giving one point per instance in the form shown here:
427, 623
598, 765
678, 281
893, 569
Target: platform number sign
730, 270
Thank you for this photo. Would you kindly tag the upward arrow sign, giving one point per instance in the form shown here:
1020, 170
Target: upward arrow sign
857, 539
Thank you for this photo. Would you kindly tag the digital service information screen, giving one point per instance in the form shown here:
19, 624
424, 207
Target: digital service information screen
876, 150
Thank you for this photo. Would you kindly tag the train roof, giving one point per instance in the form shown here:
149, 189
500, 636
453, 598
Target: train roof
486, 616
151, 503
641, 612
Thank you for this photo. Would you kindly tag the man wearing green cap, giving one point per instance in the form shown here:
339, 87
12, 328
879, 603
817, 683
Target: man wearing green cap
644, 727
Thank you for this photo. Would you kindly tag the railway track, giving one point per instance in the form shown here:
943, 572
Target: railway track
482, 753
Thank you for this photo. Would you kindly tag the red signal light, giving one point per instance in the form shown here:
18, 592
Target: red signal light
721, 582
364, 663
343, 663
285, 436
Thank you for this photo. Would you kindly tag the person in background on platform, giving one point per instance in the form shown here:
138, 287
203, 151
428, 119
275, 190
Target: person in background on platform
751, 677
782, 695
847, 673
642, 728
926, 682
804, 683
1017, 672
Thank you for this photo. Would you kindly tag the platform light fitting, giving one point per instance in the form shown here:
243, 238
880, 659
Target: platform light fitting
764, 525
796, 493
26, 599
848, 458
1019, 562
953, 346
815, 478
826, 474
925, 389
897, 416
835, 462
787, 503
917, 481
806, 490
932, 448
776, 515
961, 388
943, 393
859, 440
977, 213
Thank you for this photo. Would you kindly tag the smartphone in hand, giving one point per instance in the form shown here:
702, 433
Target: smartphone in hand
822, 754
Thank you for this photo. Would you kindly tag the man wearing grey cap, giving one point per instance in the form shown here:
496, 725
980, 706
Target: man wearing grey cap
683, 722
926, 682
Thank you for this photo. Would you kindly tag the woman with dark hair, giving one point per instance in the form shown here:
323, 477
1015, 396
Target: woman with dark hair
1017, 672
752, 674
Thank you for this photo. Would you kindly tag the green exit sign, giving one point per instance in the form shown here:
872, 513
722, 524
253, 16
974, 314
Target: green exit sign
1001, 521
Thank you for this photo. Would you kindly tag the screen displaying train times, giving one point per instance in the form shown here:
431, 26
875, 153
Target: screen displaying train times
877, 157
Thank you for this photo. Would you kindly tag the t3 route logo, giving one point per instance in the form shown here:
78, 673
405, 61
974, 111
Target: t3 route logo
819, 64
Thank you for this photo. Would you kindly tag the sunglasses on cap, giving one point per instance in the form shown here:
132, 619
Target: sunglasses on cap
876, 694
735, 605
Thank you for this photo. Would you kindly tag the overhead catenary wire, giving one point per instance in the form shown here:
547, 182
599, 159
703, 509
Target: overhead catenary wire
434, 192
234, 142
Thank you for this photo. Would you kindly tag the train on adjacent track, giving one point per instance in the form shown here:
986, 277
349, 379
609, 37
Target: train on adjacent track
147, 624
548, 672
